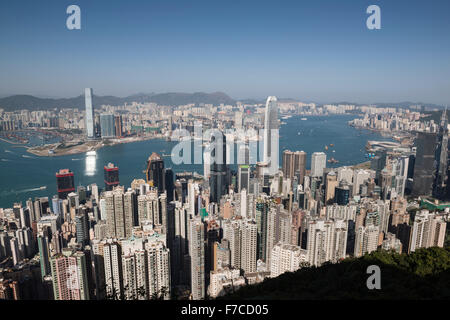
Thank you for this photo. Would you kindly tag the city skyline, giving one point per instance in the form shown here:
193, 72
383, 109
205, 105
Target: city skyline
256, 150
201, 236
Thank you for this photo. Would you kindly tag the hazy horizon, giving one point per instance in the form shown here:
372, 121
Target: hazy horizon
316, 51
259, 99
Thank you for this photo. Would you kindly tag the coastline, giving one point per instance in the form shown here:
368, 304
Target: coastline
85, 146
79, 147
11, 142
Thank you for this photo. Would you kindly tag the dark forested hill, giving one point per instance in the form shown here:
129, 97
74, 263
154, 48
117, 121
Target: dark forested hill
424, 274
18, 102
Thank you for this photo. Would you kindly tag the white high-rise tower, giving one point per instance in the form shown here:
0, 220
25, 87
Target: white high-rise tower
270, 156
88, 94
318, 164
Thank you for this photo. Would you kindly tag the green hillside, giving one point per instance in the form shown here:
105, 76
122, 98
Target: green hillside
424, 274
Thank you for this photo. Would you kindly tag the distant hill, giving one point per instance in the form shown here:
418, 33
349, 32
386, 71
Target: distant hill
407, 104
424, 274
17, 102
29, 102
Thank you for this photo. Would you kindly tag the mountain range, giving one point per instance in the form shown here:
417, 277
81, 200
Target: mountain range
18, 102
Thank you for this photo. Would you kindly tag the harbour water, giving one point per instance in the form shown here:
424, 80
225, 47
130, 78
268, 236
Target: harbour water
22, 174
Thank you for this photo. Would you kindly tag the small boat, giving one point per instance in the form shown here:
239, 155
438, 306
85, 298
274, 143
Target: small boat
303, 119
331, 145
91, 153
326, 147
333, 160
43, 188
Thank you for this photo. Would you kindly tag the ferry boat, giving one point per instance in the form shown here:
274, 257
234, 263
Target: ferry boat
304, 119
91, 153
43, 188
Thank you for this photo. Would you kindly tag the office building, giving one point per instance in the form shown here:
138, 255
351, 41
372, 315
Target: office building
111, 176
64, 183
107, 126
318, 164
90, 123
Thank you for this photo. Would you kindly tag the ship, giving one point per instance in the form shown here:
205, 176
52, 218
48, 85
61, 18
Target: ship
91, 153
331, 145
326, 147
333, 160
43, 188
303, 119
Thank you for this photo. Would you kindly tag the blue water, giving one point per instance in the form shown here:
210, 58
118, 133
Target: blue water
21, 172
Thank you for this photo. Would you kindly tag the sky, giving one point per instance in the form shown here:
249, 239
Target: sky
317, 50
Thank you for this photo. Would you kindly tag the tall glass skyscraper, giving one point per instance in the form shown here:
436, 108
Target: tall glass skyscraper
107, 125
88, 94
270, 129
218, 180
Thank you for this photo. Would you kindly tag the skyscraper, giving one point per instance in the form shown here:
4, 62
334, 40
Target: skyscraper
206, 163
243, 177
331, 184
318, 163
342, 193
249, 246
155, 171
262, 212
113, 269
294, 164
158, 269
440, 174
82, 227
70, 275
197, 258
107, 126
424, 164
359, 176
65, 183
44, 254
326, 240
219, 170
270, 156
120, 210
366, 240
111, 176
88, 95
428, 230
168, 183
286, 258
118, 125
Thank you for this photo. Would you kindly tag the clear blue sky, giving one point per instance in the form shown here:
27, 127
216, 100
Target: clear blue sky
313, 50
